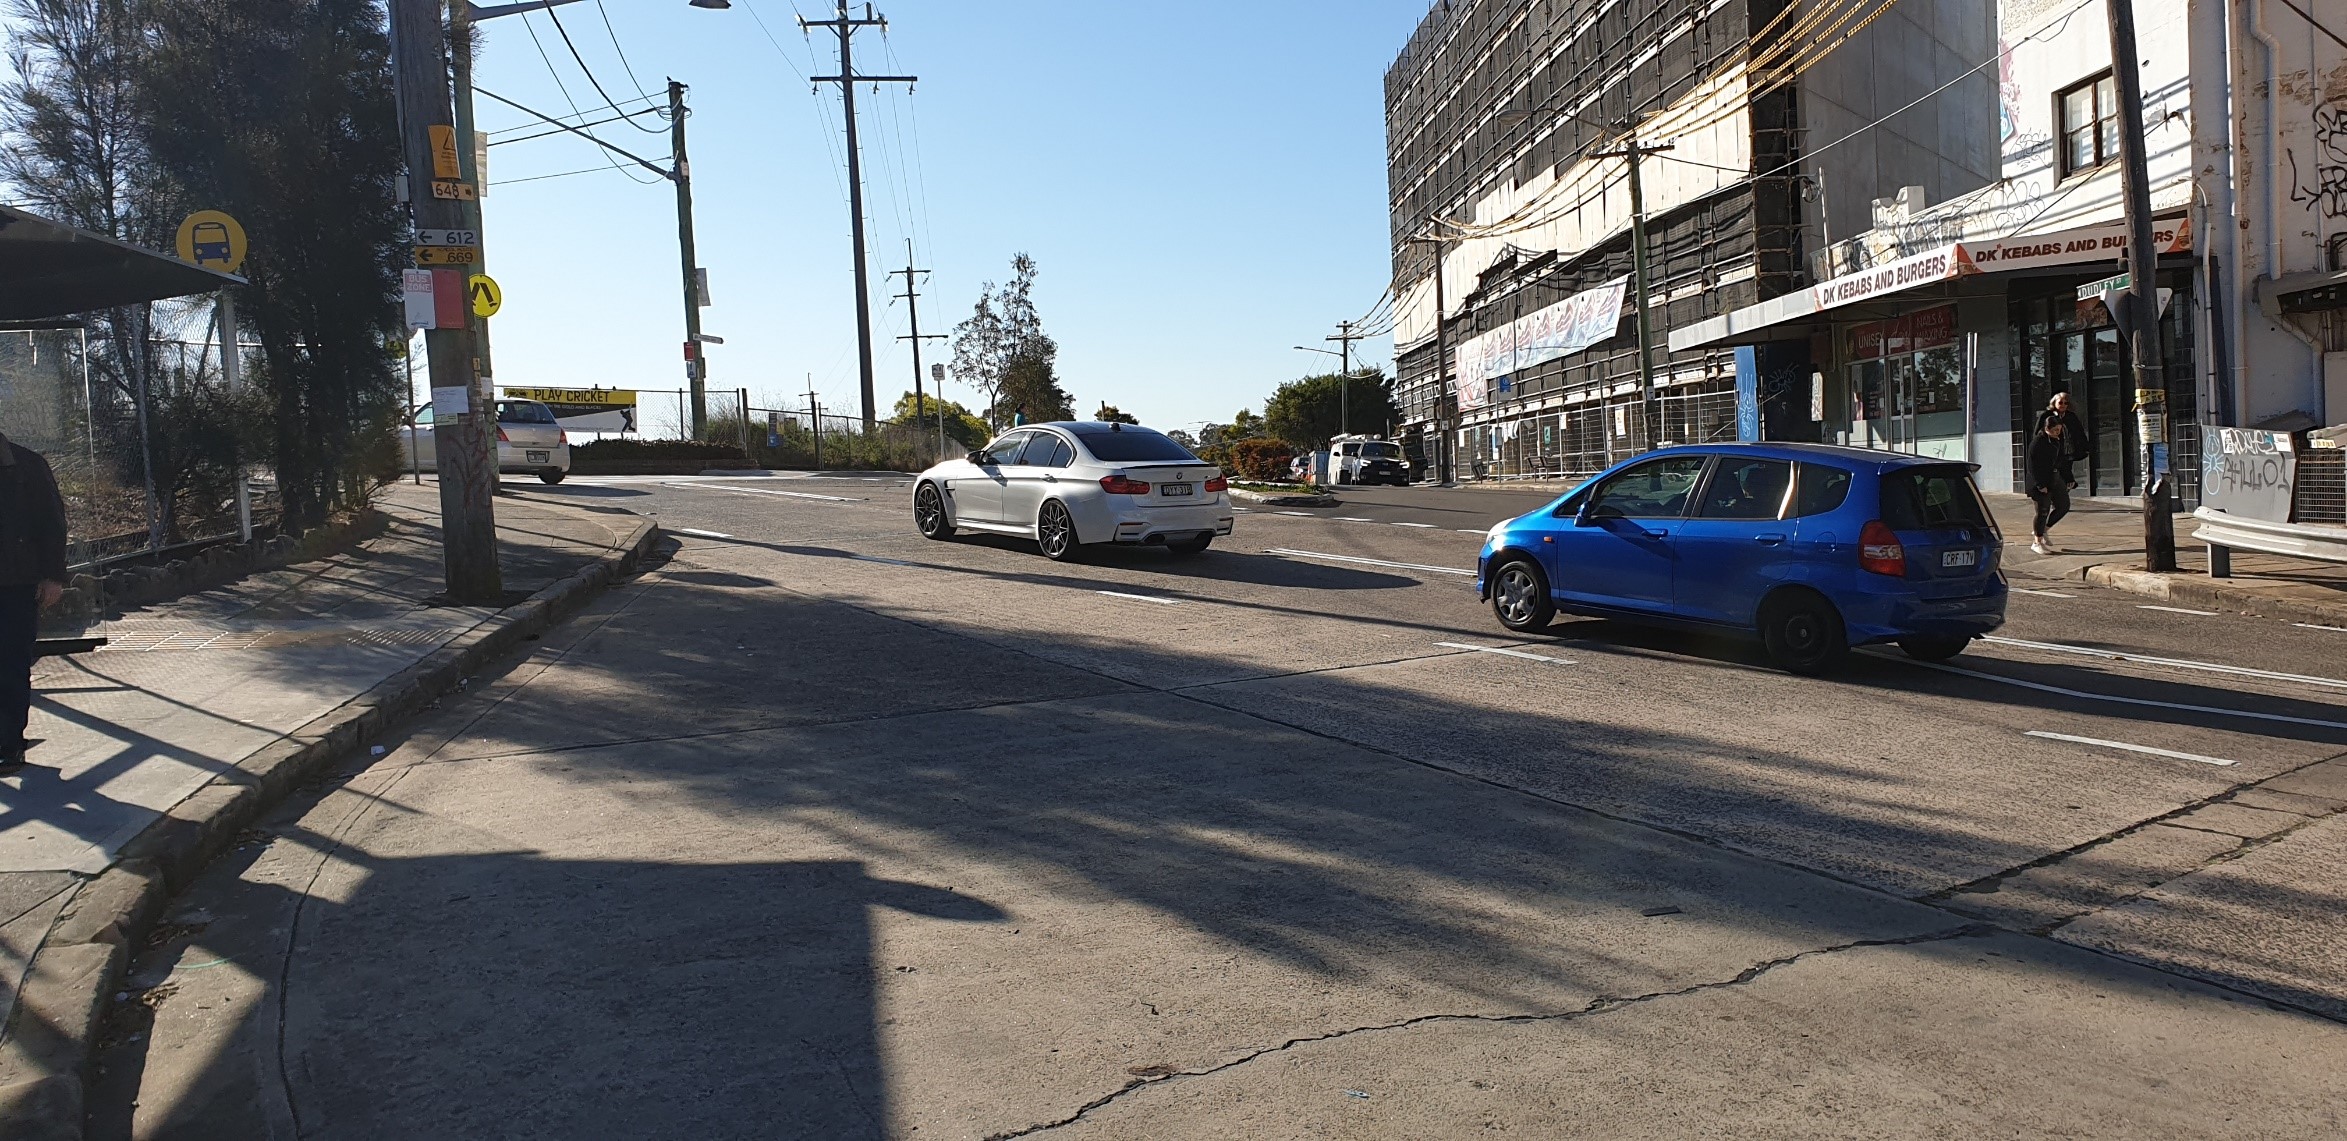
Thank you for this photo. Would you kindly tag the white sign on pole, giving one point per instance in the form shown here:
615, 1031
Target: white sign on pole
453, 401
415, 295
429, 237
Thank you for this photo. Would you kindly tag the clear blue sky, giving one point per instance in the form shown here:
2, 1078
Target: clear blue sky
1203, 186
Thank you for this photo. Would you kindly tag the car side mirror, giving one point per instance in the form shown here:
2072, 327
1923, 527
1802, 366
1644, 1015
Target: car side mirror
977, 457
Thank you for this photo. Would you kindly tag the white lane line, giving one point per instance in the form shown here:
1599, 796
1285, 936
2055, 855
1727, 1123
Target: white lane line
1504, 653
2312, 626
2172, 663
2178, 610
1305, 514
2045, 593
702, 533
1286, 553
2100, 743
1428, 526
1139, 597
1350, 519
766, 491
2115, 699
1470, 531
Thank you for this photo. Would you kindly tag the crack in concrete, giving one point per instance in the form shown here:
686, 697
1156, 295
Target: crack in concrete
1594, 1006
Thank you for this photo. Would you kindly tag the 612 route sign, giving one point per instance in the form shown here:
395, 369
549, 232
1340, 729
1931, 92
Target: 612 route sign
448, 237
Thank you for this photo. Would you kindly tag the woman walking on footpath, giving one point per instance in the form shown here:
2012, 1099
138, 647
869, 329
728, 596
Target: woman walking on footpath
2049, 479
2074, 436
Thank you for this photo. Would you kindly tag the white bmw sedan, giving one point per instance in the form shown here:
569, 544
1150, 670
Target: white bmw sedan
1066, 485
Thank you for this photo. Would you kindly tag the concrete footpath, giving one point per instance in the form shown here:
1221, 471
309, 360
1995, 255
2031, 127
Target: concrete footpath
2101, 542
201, 712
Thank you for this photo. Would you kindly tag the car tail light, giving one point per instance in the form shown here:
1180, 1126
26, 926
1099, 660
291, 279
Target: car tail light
562, 437
1217, 485
1879, 550
501, 437
1121, 485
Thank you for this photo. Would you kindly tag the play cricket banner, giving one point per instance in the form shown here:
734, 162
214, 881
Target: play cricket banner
585, 409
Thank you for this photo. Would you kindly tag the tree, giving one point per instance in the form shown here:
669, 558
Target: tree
959, 423
1111, 414
281, 113
1030, 388
1183, 438
1305, 412
1003, 343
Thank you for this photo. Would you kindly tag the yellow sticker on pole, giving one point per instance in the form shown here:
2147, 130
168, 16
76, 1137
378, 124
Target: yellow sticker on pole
443, 139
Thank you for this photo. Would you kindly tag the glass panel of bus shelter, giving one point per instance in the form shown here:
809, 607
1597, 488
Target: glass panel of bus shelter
45, 406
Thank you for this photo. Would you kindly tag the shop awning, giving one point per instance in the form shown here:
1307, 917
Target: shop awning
2105, 243
49, 269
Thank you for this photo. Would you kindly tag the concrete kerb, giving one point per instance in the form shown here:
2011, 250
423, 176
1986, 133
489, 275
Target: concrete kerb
2214, 594
62, 1005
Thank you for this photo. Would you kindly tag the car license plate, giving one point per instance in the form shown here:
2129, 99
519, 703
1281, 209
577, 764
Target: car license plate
1959, 558
1176, 488
534, 457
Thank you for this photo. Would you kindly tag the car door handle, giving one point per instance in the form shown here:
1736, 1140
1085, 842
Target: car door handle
1768, 540
1656, 534
1051, 479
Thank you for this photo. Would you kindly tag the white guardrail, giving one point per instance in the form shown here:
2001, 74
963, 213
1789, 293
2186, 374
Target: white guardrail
2298, 540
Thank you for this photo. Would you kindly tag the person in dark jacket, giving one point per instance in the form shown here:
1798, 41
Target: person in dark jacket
32, 578
2049, 480
2073, 433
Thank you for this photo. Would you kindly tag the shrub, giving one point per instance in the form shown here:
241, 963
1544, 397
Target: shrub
1262, 459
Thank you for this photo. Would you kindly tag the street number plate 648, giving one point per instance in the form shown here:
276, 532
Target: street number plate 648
1959, 558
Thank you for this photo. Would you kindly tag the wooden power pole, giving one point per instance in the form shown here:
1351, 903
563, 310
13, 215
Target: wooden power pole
461, 442
2142, 296
847, 79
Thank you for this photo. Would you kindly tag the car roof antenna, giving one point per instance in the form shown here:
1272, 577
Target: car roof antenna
1116, 425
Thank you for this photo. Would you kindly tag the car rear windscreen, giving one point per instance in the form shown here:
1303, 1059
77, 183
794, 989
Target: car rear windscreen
524, 412
1924, 498
1132, 445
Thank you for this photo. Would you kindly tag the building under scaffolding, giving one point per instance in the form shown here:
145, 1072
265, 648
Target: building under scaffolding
1507, 123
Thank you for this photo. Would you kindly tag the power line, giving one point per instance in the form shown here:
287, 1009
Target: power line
588, 71
559, 85
497, 142
623, 60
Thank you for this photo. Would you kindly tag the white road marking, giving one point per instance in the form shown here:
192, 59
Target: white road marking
2178, 610
767, 491
1470, 531
1504, 653
1305, 514
2312, 626
1140, 597
1243, 510
702, 533
1351, 519
1428, 526
2046, 593
2172, 663
1286, 553
2115, 699
2097, 741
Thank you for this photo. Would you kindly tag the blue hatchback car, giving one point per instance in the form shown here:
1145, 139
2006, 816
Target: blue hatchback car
1814, 548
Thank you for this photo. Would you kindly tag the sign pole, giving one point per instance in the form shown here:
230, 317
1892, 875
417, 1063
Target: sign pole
232, 374
460, 434
2143, 330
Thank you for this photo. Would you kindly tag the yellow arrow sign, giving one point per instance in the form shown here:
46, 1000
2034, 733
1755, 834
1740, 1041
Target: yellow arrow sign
485, 295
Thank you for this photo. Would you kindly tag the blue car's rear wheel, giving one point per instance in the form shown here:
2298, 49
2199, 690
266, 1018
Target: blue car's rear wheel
1803, 632
1519, 597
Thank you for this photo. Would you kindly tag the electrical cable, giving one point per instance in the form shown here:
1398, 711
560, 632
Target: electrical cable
615, 46
590, 72
498, 142
565, 89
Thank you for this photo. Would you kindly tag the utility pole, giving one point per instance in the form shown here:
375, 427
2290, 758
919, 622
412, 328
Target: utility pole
912, 302
1442, 372
2142, 297
815, 421
696, 352
1344, 388
847, 79
1632, 150
468, 473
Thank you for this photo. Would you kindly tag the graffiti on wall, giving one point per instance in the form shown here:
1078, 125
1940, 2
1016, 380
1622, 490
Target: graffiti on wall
2324, 188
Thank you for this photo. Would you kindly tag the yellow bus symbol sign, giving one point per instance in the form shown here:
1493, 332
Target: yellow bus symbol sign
213, 240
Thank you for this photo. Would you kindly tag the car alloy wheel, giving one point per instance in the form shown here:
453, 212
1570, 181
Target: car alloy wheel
1804, 633
1519, 597
929, 513
1056, 533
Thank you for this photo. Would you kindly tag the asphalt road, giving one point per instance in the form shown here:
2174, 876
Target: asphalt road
824, 830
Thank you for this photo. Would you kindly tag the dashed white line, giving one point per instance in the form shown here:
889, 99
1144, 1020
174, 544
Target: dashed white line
1504, 653
2100, 743
1292, 554
701, 533
2115, 699
1428, 526
2178, 610
1139, 597
766, 491
1351, 519
2171, 663
2044, 593
1470, 531
2312, 626
1305, 514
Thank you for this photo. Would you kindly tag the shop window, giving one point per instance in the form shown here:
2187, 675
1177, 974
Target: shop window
2089, 114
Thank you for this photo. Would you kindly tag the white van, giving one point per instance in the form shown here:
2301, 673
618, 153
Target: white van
1367, 459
